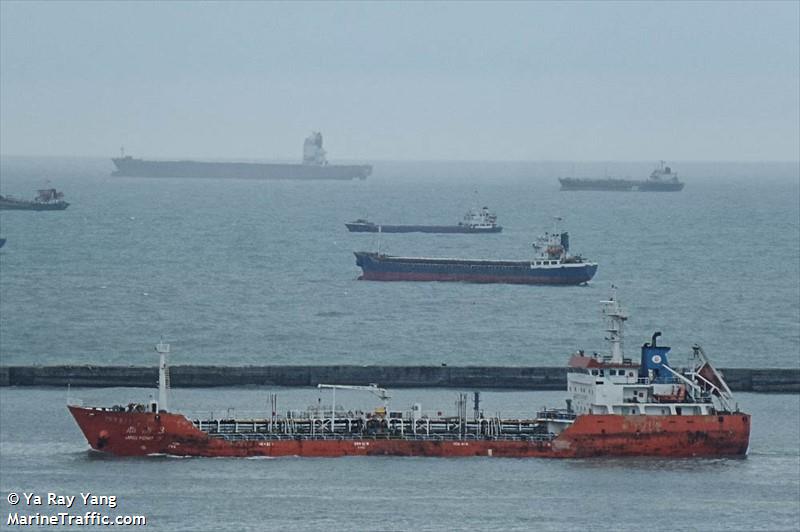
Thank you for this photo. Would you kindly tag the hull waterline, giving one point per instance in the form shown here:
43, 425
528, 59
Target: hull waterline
441, 229
193, 169
377, 267
141, 434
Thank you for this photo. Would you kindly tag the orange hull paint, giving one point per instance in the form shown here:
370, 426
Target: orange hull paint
139, 434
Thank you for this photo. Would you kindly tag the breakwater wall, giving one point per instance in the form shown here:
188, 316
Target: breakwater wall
784, 380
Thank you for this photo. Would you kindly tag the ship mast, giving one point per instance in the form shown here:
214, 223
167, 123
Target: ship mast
556, 221
163, 376
615, 317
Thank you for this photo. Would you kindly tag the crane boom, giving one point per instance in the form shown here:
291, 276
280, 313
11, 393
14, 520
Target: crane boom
372, 388
381, 393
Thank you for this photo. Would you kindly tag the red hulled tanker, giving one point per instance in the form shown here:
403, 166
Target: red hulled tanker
617, 408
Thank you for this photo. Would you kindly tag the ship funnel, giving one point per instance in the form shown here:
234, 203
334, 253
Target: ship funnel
565, 241
654, 338
655, 362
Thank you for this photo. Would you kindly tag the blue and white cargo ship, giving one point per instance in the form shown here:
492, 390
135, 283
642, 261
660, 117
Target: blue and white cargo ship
552, 265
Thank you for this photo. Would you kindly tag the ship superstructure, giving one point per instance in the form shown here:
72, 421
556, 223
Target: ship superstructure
662, 179
474, 221
314, 166
552, 264
617, 407
652, 385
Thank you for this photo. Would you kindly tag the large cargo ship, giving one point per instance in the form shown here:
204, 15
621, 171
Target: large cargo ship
47, 199
552, 265
314, 166
662, 179
618, 407
475, 221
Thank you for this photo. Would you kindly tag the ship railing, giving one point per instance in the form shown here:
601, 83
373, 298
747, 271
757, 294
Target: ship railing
257, 436
556, 414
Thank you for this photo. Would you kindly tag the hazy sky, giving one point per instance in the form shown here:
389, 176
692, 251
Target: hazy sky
518, 81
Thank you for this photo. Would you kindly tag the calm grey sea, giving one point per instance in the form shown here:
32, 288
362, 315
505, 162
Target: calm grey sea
254, 272
42, 450
259, 272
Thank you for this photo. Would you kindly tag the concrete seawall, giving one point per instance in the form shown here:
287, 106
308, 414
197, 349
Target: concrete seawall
784, 380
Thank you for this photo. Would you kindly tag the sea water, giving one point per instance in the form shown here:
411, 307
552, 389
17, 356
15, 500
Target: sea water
262, 272
256, 272
43, 450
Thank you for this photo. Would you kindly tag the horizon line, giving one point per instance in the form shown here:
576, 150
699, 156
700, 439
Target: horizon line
385, 160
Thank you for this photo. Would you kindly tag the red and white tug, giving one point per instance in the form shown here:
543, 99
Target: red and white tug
618, 408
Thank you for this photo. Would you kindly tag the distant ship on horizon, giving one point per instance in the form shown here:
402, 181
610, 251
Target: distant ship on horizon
314, 166
481, 221
662, 179
47, 199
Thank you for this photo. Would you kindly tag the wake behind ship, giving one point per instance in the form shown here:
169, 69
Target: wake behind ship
314, 166
617, 407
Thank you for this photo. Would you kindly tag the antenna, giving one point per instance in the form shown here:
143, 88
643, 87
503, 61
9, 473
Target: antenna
556, 220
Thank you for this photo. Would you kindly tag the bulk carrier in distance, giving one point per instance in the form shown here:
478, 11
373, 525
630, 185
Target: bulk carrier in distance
314, 166
552, 265
618, 407
480, 221
662, 179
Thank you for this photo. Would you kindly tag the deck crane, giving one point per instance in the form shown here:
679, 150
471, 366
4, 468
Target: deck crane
373, 388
